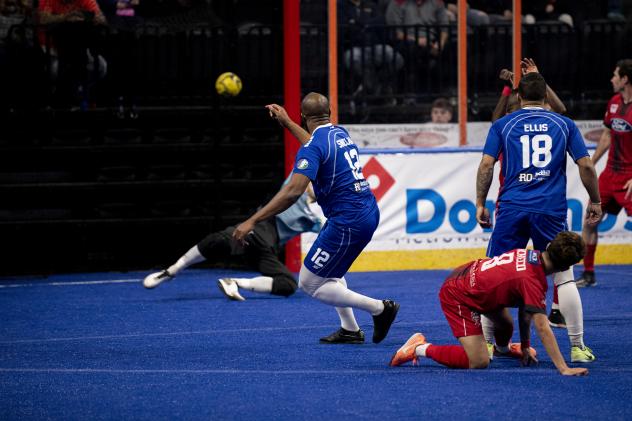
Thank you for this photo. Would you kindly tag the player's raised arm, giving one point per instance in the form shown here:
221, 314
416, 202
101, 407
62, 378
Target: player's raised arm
279, 114
550, 344
501, 107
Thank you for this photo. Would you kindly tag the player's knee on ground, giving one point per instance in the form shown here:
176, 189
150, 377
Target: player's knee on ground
479, 363
283, 285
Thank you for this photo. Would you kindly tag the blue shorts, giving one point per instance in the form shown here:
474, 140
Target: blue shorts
337, 247
514, 228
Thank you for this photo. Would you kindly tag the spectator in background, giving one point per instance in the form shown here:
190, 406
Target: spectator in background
419, 43
12, 12
441, 111
548, 10
69, 40
475, 17
499, 11
372, 63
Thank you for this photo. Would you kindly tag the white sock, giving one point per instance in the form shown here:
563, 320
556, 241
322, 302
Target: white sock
488, 329
420, 351
189, 258
347, 319
335, 294
571, 308
262, 284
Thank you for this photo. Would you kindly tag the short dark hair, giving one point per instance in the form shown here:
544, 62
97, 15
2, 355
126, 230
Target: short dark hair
532, 87
625, 69
566, 249
442, 103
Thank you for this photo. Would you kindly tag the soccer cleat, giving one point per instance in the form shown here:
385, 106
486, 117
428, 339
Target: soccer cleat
515, 351
582, 355
556, 319
586, 280
344, 336
407, 351
230, 289
157, 278
383, 321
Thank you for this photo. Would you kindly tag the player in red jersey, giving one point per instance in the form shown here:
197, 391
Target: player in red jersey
487, 286
615, 182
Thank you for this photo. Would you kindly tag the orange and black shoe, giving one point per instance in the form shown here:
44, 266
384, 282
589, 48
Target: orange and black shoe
407, 351
515, 351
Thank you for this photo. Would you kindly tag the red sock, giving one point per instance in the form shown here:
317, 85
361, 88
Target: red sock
555, 301
589, 258
453, 356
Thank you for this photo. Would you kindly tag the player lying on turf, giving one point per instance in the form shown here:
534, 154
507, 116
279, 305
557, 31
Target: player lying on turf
488, 286
260, 254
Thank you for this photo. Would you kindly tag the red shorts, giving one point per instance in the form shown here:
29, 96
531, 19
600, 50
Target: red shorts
462, 320
613, 193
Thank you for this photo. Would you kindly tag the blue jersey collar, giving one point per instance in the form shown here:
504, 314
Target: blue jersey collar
322, 125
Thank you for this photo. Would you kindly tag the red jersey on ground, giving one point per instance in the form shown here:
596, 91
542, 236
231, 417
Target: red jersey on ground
618, 119
513, 279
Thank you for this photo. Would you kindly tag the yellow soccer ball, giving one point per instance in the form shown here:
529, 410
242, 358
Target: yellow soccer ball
228, 84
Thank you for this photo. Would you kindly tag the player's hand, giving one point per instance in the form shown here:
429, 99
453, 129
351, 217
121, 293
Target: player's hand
279, 114
574, 371
507, 76
628, 187
593, 213
242, 232
527, 358
482, 217
527, 65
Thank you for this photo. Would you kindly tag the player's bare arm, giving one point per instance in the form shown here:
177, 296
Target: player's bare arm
602, 146
527, 65
483, 182
288, 194
501, 107
524, 323
279, 114
590, 181
547, 337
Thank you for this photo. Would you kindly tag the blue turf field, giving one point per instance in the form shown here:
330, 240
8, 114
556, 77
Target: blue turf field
72, 348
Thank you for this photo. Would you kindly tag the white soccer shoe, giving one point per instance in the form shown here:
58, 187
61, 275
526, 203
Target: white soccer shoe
157, 278
230, 289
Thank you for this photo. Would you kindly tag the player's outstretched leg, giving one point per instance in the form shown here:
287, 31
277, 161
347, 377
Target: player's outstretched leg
333, 291
157, 278
189, 258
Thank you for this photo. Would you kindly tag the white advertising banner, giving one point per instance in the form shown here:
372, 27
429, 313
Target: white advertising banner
429, 135
427, 202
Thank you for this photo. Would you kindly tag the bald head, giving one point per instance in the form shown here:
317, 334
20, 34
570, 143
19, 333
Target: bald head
315, 106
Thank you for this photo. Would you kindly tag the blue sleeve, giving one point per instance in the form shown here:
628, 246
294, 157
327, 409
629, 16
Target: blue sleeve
308, 160
493, 144
576, 146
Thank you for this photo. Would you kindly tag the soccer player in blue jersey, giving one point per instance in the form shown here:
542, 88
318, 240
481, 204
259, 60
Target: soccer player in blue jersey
532, 144
330, 159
